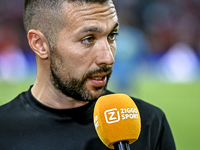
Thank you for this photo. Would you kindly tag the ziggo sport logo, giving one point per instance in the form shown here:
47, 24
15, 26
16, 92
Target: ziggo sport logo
114, 115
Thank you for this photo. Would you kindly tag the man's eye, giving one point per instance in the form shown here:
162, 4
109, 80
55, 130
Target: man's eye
87, 40
112, 36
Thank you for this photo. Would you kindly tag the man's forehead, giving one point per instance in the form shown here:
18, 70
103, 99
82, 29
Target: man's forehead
90, 13
89, 9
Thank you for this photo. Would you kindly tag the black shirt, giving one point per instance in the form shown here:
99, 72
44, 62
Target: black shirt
27, 124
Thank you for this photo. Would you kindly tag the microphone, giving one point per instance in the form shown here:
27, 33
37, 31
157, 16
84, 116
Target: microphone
117, 121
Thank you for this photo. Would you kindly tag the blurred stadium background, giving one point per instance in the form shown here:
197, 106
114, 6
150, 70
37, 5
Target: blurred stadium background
157, 60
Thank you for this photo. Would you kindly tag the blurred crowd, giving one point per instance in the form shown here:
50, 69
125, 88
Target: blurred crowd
157, 39
17, 62
161, 41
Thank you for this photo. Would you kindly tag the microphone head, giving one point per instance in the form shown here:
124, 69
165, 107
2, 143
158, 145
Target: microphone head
116, 118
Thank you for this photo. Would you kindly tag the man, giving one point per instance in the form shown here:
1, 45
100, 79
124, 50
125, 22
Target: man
74, 45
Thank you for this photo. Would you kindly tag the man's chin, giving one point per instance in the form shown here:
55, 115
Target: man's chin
98, 91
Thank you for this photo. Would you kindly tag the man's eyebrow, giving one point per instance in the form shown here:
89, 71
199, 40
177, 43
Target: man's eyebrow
95, 29
89, 29
116, 25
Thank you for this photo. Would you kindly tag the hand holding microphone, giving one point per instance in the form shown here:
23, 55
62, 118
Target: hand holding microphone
117, 121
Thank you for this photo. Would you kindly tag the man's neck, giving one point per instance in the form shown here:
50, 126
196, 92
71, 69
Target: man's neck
52, 97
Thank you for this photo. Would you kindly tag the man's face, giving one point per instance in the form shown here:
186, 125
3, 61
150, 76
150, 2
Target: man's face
83, 58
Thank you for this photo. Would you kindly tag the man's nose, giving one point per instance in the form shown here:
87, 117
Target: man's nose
106, 53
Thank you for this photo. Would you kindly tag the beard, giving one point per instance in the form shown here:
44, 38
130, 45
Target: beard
75, 88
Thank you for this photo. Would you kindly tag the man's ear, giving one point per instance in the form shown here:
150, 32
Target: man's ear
38, 43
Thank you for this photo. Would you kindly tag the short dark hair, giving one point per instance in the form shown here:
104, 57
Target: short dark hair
46, 16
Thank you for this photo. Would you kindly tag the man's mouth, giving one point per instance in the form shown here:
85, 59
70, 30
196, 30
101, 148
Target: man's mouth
98, 80
98, 77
